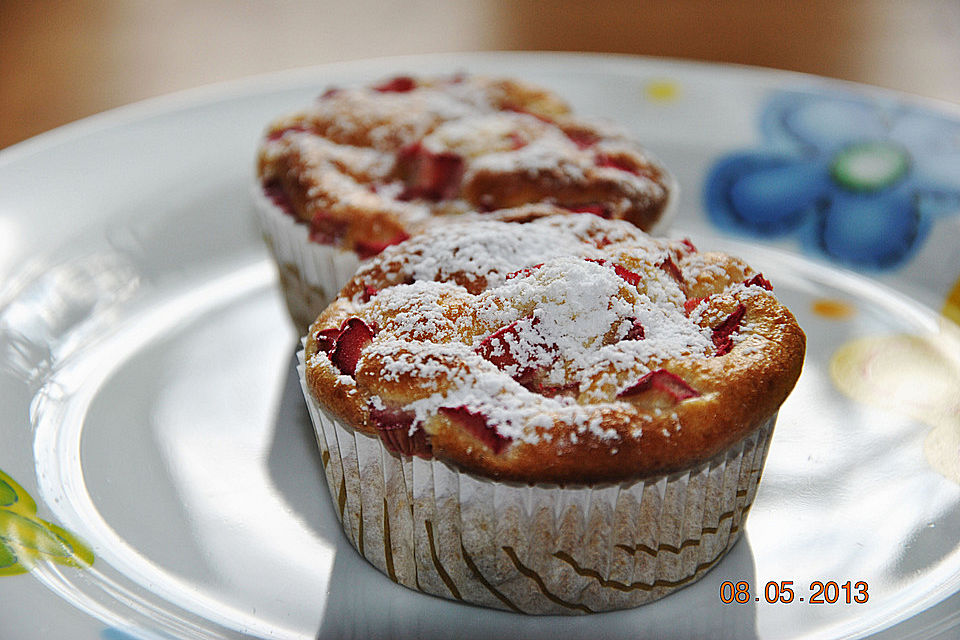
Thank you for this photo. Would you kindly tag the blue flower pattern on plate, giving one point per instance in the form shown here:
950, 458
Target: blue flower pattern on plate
859, 180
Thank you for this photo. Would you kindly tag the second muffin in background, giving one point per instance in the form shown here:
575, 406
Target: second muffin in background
366, 167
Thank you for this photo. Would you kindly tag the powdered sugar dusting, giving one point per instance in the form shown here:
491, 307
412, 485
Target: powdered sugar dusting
567, 314
553, 310
551, 151
417, 311
492, 250
438, 147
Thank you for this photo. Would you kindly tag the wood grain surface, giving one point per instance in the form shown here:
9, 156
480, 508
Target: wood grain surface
60, 61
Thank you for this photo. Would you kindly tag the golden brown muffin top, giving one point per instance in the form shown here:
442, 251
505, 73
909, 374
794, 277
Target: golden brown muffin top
367, 167
566, 349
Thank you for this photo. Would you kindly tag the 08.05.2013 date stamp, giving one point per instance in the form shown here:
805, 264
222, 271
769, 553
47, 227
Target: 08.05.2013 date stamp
784, 592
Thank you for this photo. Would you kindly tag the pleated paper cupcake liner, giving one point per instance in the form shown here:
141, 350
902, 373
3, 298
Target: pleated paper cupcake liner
538, 549
311, 274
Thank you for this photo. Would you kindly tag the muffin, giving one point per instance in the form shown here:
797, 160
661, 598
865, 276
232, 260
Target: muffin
364, 168
559, 416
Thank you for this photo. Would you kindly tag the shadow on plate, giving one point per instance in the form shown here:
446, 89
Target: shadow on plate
363, 603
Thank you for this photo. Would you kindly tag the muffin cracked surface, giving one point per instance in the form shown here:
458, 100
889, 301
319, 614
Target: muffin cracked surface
366, 167
568, 350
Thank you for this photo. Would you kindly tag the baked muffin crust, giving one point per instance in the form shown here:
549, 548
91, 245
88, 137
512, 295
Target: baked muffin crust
368, 167
567, 349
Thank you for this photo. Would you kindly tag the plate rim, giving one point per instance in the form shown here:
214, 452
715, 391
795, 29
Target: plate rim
292, 77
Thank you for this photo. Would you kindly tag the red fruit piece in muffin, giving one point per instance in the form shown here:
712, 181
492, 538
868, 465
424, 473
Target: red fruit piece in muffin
661, 380
722, 332
394, 428
343, 345
476, 424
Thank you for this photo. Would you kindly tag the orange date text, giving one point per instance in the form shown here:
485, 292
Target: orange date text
785, 592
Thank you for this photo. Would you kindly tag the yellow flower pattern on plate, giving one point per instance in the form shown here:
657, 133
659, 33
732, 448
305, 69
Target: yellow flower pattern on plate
913, 376
951, 307
662, 90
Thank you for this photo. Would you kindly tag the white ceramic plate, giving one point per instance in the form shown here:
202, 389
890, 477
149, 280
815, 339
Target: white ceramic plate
150, 407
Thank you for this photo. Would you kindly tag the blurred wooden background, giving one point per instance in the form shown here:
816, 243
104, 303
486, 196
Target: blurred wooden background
60, 61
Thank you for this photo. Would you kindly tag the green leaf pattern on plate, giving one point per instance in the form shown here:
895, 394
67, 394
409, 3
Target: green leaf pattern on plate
25, 538
8, 496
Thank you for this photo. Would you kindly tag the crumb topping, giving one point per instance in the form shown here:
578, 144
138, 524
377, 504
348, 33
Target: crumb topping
376, 164
564, 331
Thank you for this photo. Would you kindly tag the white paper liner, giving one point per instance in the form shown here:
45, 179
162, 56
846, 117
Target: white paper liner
538, 549
311, 274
